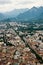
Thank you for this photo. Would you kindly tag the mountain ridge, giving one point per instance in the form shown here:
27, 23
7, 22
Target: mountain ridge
33, 14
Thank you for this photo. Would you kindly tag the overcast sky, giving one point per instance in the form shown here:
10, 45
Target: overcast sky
7, 5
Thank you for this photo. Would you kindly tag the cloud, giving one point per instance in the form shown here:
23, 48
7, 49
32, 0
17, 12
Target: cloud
24, 2
4, 2
8, 5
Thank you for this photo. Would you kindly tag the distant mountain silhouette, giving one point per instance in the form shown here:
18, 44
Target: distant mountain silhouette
10, 16
15, 12
33, 14
2, 16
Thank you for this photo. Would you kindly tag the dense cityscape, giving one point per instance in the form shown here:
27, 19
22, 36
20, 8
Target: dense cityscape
21, 43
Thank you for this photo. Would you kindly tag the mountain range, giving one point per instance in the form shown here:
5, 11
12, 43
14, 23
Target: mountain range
33, 14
